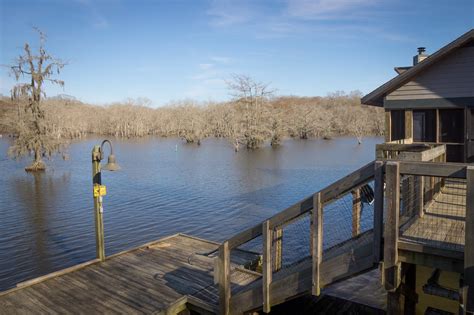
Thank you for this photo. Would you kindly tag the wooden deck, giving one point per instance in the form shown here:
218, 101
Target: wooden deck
145, 280
365, 289
176, 272
443, 223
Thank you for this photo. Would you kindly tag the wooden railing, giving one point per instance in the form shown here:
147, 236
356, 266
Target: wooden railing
271, 288
314, 204
411, 152
423, 190
433, 255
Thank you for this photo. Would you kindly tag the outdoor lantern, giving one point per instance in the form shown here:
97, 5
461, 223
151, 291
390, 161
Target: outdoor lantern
99, 191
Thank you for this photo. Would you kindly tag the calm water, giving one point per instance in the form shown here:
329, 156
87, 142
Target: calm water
165, 187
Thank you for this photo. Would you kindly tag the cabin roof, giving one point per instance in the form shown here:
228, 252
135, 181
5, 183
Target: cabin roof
376, 96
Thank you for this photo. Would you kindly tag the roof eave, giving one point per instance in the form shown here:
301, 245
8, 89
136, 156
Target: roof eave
375, 97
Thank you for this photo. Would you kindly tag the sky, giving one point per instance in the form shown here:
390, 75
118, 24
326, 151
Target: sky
168, 50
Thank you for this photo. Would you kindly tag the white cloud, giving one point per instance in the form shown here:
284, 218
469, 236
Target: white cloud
206, 66
325, 9
225, 13
97, 19
209, 79
204, 89
220, 59
344, 18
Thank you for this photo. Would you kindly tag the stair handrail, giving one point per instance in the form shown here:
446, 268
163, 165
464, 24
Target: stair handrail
329, 193
342, 186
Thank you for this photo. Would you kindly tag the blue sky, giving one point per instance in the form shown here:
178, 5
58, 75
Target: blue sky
173, 50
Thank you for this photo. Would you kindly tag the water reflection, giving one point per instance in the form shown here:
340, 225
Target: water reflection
47, 223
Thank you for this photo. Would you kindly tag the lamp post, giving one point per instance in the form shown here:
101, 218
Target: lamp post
99, 191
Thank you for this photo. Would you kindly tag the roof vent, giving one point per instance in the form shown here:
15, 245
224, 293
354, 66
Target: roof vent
421, 56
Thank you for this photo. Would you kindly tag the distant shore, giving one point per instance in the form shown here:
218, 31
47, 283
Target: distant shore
269, 122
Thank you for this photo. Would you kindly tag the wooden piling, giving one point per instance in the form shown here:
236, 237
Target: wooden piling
409, 292
391, 262
378, 210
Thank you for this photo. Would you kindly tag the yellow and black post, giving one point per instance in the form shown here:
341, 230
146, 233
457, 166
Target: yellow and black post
98, 192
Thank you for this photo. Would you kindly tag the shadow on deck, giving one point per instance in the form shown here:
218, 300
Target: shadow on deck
442, 224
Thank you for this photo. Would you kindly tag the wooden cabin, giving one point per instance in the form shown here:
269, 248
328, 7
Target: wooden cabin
433, 100
429, 116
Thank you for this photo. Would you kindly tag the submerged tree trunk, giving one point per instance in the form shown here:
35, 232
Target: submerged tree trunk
38, 164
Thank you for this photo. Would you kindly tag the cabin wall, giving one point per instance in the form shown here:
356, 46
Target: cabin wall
445, 85
451, 77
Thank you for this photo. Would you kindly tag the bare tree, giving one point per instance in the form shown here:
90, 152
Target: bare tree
33, 133
251, 98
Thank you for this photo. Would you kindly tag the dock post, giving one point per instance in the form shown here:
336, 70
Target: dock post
317, 242
469, 243
98, 210
411, 297
356, 209
378, 210
224, 278
266, 265
391, 262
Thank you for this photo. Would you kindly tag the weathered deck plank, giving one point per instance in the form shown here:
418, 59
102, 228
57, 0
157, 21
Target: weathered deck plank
145, 280
443, 223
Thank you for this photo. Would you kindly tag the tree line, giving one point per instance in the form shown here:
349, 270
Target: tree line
245, 125
254, 116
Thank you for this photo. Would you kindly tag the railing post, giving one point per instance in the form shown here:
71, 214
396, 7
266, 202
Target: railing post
469, 243
317, 242
267, 265
411, 196
356, 209
277, 244
391, 263
392, 272
420, 193
224, 278
378, 210
432, 188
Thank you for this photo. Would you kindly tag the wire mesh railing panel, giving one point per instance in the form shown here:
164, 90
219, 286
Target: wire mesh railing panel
246, 263
349, 216
291, 243
433, 211
411, 191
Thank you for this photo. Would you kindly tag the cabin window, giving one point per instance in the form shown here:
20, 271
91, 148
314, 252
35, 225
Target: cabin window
454, 153
424, 125
451, 125
397, 122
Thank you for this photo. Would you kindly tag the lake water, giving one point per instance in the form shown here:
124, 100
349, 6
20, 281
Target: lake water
165, 187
